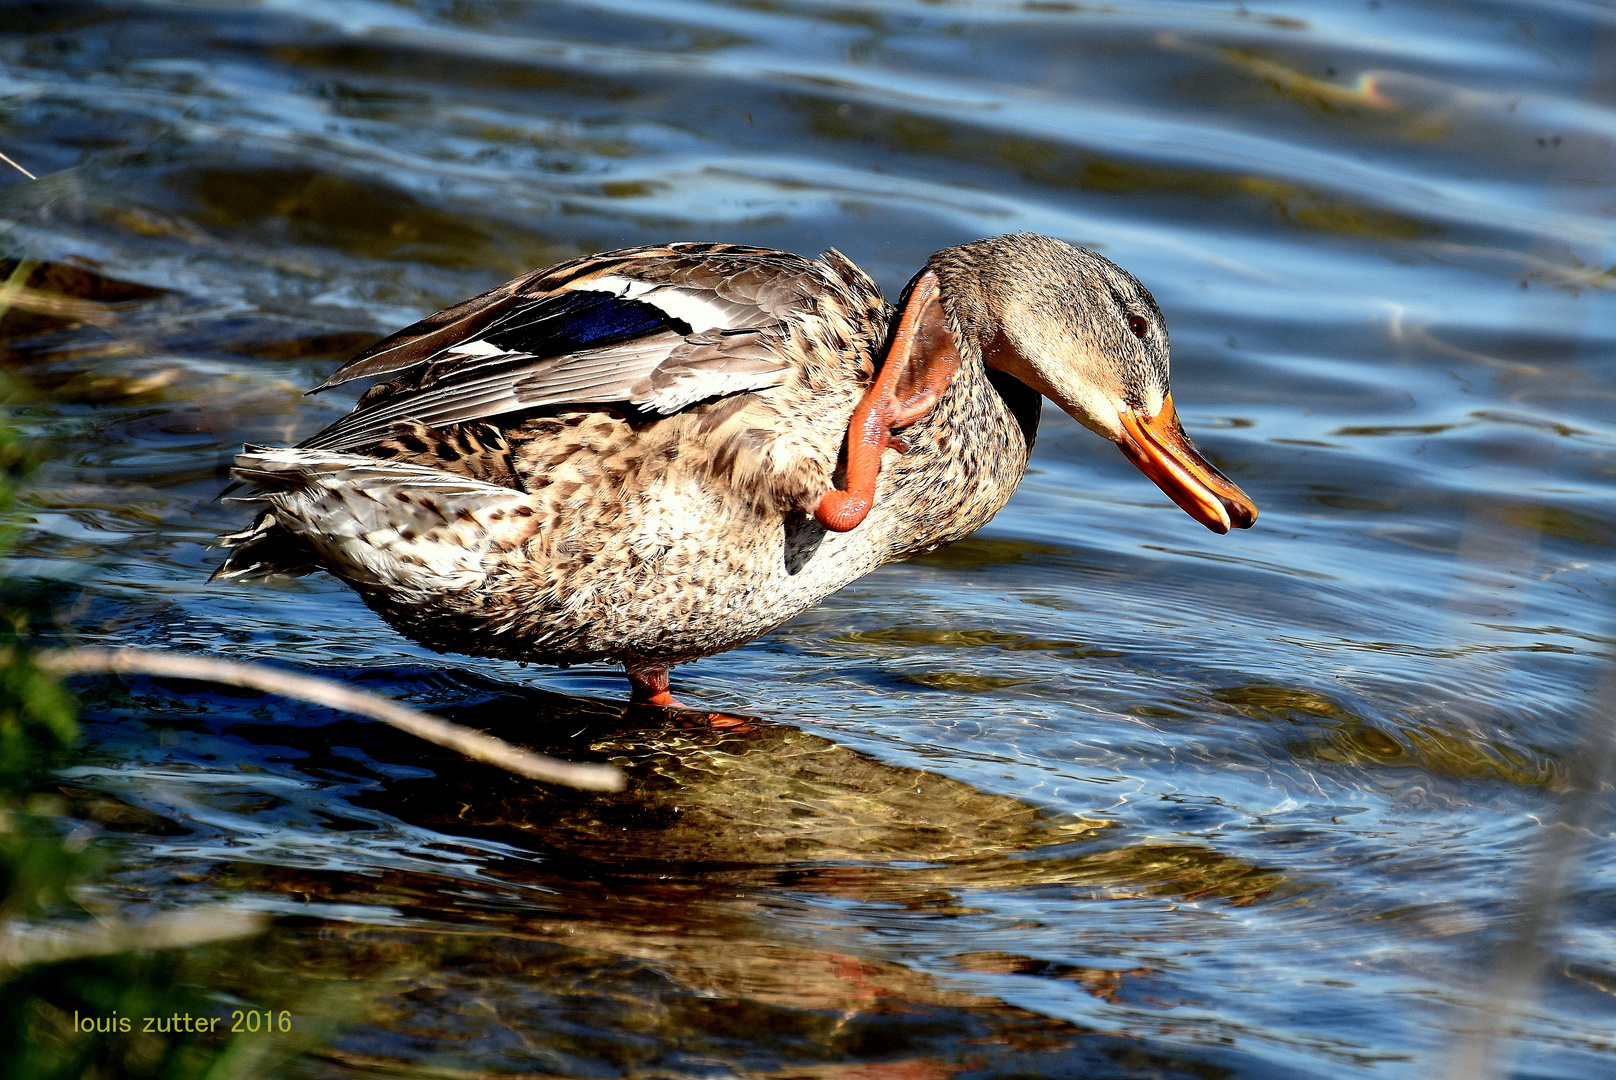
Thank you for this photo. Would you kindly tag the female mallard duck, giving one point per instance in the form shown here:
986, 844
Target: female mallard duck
635, 456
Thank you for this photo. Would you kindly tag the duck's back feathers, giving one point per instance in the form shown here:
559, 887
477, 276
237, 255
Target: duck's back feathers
656, 328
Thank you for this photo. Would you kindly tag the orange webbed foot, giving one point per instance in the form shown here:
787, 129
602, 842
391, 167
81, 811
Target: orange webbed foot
650, 687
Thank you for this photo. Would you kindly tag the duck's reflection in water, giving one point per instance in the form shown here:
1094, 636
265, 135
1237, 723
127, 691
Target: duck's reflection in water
725, 901
764, 805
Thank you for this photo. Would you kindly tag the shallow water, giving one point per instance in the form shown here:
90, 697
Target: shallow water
1092, 793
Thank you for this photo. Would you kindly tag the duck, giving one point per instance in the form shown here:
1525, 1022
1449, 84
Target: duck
650, 455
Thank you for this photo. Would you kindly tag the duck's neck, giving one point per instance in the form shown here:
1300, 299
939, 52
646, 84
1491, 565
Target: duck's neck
964, 279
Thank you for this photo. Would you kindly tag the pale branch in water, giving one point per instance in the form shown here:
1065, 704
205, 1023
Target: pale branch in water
433, 729
19, 168
23, 945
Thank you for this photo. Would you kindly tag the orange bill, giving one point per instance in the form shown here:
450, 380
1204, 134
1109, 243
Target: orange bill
1164, 453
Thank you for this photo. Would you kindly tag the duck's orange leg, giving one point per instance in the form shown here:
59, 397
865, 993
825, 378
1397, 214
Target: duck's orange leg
649, 686
918, 367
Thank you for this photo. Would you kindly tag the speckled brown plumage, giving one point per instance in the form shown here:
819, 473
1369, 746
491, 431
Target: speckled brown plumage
619, 458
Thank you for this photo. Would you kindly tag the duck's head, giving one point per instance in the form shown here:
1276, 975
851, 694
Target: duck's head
1087, 335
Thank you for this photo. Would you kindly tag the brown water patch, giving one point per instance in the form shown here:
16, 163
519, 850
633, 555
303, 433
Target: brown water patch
976, 552
962, 682
338, 345
42, 297
1558, 522
1349, 739
1396, 430
1290, 203
1104, 983
1057, 165
577, 996
1440, 752
360, 218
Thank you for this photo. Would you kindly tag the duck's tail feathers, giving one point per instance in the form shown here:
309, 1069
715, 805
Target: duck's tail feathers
262, 549
370, 521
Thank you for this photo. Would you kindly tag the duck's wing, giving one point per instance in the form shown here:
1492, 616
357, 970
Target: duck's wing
659, 328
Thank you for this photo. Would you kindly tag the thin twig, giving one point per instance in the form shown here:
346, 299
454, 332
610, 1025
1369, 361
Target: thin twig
19, 168
433, 729
23, 944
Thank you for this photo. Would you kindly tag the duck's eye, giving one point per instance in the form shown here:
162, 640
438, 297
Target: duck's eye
1138, 325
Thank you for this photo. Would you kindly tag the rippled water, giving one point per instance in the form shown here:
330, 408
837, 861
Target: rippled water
1092, 793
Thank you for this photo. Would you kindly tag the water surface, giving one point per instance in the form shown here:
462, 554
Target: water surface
1092, 793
